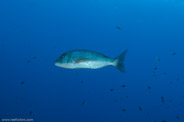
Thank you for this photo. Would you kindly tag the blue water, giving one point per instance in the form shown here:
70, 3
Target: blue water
34, 33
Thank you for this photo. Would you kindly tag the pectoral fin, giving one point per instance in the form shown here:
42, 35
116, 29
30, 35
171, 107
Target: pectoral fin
81, 60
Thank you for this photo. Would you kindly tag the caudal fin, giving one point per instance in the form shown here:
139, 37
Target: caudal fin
119, 61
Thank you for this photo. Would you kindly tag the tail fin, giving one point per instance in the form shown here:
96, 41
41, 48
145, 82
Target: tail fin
119, 61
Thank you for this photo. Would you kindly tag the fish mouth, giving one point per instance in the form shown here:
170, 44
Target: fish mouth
57, 64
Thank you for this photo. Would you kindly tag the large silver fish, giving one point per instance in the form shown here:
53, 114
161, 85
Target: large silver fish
76, 59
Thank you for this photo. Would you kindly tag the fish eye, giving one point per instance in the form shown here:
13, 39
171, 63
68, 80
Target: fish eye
63, 55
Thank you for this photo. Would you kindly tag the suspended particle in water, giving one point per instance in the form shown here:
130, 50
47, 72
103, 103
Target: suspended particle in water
115, 101
149, 87
123, 86
140, 109
22, 83
111, 89
177, 78
83, 102
34, 57
155, 68
118, 27
82, 81
123, 109
158, 59
174, 53
177, 117
28, 61
162, 99
164, 73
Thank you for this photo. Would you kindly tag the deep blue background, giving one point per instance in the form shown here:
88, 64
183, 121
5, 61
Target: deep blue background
44, 29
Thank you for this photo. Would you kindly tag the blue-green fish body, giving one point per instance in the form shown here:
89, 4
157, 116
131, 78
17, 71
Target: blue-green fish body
89, 59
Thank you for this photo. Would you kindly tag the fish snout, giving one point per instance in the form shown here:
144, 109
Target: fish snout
57, 62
